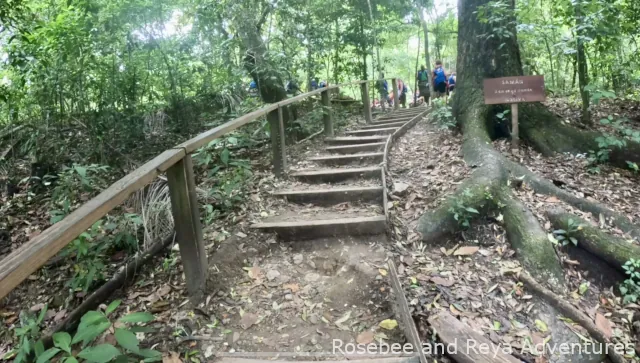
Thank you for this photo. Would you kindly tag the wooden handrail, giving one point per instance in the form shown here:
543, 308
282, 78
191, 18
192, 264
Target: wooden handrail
29, 257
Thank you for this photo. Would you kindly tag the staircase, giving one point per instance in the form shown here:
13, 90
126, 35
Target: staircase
345, 192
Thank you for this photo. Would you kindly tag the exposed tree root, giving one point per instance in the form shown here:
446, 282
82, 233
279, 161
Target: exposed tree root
614, 250
572, 313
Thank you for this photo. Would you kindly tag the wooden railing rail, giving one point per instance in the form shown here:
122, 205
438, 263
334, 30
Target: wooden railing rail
178, 165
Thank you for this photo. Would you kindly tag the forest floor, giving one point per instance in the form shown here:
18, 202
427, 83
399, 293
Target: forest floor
471, 273
267, 296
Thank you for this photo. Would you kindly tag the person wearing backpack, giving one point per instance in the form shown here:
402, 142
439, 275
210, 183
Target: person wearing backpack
402, 93
440, 80
383, 89
423, 83
452, 82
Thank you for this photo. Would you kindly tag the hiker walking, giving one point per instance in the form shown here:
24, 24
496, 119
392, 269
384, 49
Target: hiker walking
423, 83
452, 82
402, 93
383, 88
440, 83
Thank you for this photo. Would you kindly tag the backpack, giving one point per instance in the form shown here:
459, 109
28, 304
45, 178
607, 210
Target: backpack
440, 77
422, 76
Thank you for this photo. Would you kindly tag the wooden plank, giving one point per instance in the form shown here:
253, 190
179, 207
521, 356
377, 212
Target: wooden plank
467, 342
27, 259
318, 228
394, 83
278, 158
364, 89
186, 216
327, 118
410, 330
333, 195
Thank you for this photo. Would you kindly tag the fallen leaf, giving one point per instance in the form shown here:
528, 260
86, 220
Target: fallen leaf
37, 307
172, 357
292, 287
388, 324
553, 199
365, 337
248, 320
382, 271
241, 235
541, 325
604, 325
466, 251
441, 281
344, 318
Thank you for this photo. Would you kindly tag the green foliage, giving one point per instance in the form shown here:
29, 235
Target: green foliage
92, 325
500, 17
460, 210
71, 183
564, 237
27, 335
630, 288
607, 142
442, 114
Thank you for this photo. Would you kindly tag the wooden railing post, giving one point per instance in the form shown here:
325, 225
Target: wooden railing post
186, 217
364, 88
278, 144
395, 93
326, 116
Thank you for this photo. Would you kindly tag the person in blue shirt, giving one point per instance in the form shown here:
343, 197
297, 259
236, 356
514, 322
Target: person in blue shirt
439, 80
452, 82
383, 88
323, 84
253, 88
314, 84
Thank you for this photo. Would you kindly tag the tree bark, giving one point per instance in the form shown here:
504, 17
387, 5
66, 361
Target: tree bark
583, 72
427, 59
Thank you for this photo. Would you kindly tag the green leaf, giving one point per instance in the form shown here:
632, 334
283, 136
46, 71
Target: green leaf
224, 156
472, 210
149, 353
62, 340
38, 348
583, 288
70, 360
127, 340
100, 353
137, 317
113, 306
560, 231
89, 333
81, 170
541, 325
47, 355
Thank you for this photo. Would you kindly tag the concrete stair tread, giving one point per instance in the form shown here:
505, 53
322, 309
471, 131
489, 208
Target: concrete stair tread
388, 130
356, 138
319, 220
383, 125
358, 147
335, 171
340, 189
346, 156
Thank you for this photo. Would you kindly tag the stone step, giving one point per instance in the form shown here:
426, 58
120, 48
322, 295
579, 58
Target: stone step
396, 119
352, 149
318, 228
370, 132
384, 124
337, 174
350, 140
350, 158
333, 196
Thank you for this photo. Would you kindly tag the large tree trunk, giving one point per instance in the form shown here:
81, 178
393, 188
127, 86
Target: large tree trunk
480, 58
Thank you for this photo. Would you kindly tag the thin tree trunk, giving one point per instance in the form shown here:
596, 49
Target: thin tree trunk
583, 75
553, 75
427, 59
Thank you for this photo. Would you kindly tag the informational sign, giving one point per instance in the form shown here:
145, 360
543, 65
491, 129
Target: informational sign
514, 90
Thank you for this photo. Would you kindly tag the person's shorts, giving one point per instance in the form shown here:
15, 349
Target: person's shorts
440, 88
424, 90
403, 98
